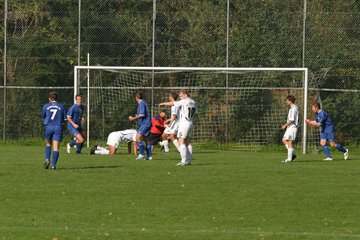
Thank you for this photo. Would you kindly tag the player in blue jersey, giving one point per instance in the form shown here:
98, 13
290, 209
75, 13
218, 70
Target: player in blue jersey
75, 117
53, 114
143, 119
327, 132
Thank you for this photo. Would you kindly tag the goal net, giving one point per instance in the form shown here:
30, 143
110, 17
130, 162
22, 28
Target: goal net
242, 108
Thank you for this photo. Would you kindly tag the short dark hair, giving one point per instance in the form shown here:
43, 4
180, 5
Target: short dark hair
291, 98
317, 105
174, 95
53, 95
77, 95
139, 95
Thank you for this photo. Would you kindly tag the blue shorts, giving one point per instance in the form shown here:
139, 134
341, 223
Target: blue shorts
53, 133
144, 130
74, 131
330, 136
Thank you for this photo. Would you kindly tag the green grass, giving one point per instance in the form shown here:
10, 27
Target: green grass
223, 195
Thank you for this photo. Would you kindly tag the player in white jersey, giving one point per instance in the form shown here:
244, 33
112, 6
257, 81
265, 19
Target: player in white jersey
172, 125
291, 127
114, 140
187, 108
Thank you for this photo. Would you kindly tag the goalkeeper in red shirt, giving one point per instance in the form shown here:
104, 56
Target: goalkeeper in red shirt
156, 131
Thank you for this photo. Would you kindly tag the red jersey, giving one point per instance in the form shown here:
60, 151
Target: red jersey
157, 125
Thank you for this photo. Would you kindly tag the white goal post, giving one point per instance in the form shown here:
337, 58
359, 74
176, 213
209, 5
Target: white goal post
220, 81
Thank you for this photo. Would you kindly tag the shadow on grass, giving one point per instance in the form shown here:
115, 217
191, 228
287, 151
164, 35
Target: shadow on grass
88, 167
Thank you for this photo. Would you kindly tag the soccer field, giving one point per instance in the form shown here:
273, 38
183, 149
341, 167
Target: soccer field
223, 195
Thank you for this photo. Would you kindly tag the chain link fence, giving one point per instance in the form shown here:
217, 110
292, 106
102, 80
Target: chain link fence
44, 40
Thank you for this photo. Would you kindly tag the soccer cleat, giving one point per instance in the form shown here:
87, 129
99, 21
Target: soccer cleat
183, 164
287, 160
327, 159
53, 167
293, 157
92, 151
141, 157
68, 148
46, 164
149, 158
346, 154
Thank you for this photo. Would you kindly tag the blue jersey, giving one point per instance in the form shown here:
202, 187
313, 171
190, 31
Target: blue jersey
143, 109
324, 120
75, 113
53, 114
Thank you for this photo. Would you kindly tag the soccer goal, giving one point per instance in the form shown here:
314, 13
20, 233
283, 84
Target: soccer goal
243, 108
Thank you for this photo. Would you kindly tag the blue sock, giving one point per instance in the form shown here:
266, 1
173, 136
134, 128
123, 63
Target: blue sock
79, 147
148, 150
72, 143
141, 147
55, 158
340, 148
326, 151
47, 152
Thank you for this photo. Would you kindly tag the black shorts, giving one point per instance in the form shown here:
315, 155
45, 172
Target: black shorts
154, 138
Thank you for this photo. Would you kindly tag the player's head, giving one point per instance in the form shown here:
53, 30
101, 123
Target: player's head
183, 94
173, 96
162, 114
290, 99
78, 99
315, 107
138, 96
53, 96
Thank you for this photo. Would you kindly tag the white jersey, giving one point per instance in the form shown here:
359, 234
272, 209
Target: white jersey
293, 116
175, 111
125, 136
187, 109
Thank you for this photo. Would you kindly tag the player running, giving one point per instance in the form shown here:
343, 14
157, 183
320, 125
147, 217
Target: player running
291, 126
75, 117
187, 107
327, 132
54, 117
114, 140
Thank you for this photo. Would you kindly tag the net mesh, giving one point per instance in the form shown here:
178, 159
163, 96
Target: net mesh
242, 108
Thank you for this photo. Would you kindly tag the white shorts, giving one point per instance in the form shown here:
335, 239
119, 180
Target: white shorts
115, 138
185, 129
173, 128
290, 133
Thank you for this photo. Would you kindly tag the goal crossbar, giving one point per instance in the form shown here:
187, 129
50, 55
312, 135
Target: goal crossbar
210, 69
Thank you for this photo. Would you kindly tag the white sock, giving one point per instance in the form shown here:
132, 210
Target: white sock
183, 151
290, 153
190, 151
177, 145
166, 145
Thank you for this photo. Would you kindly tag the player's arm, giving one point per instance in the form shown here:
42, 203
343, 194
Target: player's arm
43, 112
72, 122
312, 123
288, 123
166, 104
131, 118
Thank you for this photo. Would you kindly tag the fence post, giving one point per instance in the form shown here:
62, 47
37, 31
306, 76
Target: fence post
5, 67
